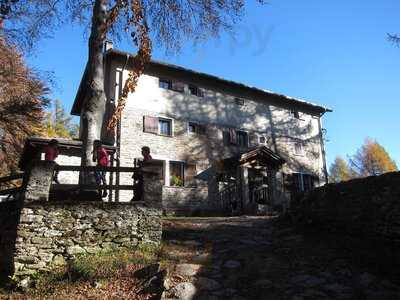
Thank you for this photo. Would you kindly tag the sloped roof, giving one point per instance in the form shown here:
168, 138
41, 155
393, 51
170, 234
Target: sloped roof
278, 98
34, 146
260, 155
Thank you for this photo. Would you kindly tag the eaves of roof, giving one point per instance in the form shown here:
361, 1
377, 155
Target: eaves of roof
280, 98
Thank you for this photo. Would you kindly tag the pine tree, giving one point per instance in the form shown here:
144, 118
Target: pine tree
59, 124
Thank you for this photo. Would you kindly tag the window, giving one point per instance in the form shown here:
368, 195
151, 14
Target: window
178, 86
242, 138
194, 90
298, 149
295, 114
196, 128
171, 85
262, 140
176, 173
156, 125
303, 182
165, 127
236, 137
239, 101
165, 84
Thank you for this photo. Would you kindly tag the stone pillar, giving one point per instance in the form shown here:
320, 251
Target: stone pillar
152, 189
39, 181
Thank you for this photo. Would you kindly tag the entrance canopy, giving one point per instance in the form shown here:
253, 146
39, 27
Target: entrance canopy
255, 158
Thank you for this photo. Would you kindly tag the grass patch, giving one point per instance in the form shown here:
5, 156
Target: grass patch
87, 271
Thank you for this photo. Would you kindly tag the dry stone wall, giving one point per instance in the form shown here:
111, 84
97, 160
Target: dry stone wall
49, 233
9, 216
367, 208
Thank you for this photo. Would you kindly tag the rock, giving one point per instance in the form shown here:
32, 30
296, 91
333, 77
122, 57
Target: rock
390, 285
207, 284
168, 283
308, 280
263, 284
294, 238
237, 297
187, 269
147, 271
24, 259
339, 291
382, 295
249, 242
200, 259
207, 297
184, 291
366, 279
232, 264
226, 292
25, 283
192, 243
73, 250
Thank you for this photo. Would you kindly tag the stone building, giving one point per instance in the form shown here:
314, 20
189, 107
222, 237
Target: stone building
218, 145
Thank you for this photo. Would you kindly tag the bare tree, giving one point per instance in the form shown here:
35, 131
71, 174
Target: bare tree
167, 23
394, 38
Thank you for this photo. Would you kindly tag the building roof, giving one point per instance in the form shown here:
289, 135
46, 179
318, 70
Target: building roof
277, 99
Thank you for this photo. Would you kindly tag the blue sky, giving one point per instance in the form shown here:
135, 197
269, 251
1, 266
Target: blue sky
334, 53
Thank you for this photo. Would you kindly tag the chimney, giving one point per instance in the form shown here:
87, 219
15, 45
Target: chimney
108, 45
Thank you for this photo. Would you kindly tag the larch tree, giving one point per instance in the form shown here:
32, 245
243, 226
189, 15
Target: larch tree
23, 100
58, 123
340, 171
167, 23
372, 159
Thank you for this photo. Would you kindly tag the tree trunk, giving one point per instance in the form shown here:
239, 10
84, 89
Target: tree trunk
95, 100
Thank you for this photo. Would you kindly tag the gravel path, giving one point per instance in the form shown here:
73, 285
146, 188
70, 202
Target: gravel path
256, 258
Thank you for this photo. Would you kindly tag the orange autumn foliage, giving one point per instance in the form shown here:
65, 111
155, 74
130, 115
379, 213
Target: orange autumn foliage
22, 103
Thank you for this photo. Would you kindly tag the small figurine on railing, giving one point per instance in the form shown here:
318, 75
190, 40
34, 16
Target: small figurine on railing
101, 156
51, 152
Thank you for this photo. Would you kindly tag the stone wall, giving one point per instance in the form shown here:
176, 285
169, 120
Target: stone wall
182, 201
49, 233
9, 216
367, 208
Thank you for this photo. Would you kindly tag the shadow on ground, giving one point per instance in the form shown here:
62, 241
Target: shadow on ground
261, 258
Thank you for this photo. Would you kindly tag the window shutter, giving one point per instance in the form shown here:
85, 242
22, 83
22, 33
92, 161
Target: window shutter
232, 136
190, 173
150, 124
178, 86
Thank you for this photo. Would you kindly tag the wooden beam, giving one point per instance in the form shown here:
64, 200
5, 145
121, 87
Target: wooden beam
91, 187
95, 168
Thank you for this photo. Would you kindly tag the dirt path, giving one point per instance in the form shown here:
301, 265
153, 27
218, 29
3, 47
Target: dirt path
254, 258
